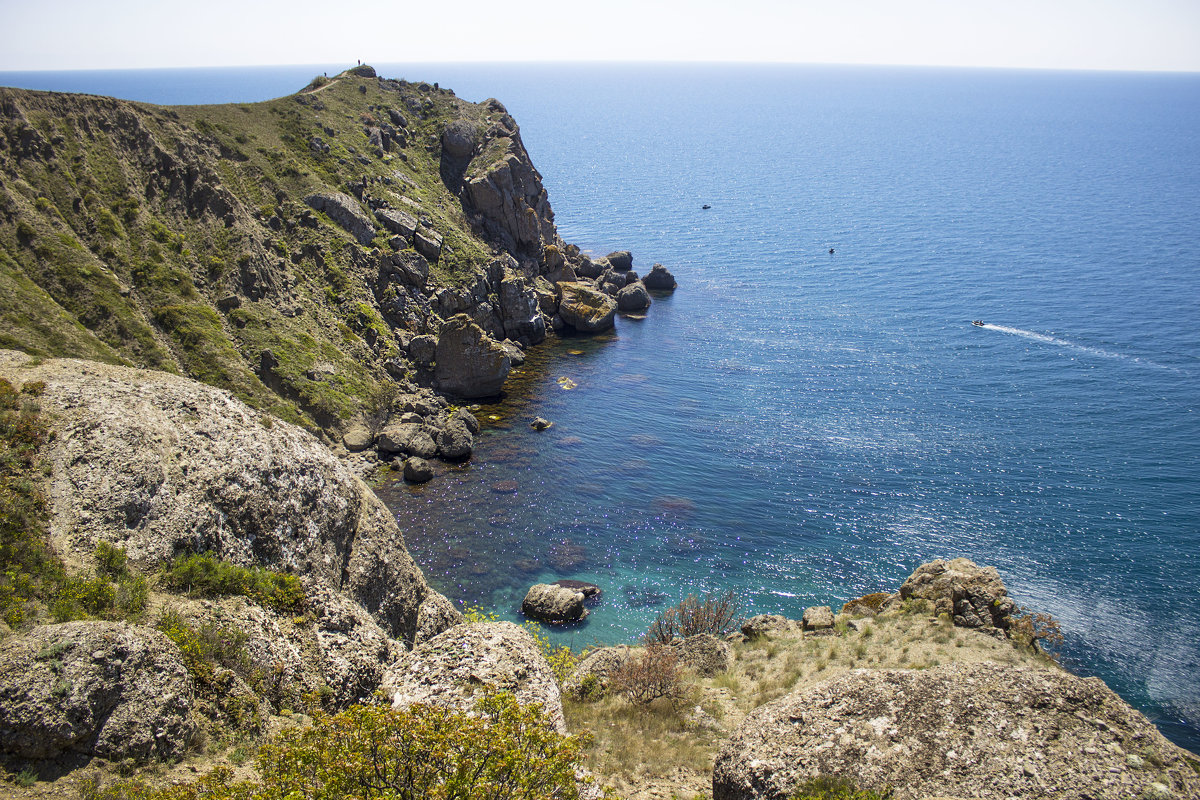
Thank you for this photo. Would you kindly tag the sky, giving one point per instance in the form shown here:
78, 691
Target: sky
1040, 34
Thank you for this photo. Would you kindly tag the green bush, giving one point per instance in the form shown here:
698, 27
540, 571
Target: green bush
503, 751
110, 560
207, 647
204, 575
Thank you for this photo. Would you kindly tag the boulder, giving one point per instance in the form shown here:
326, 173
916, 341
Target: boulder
621, 260
547, 602
417, 470
159, 464
459, 139
704, 654
541, 424
454, 442
591, 592
398, 437
346, 212
761, 625
428, 243
982, 730
584, 308
357, 439
398, 222
455, 667
469, 362
633, 297
590, 678
423, 349
587, 268
817, 618
104, 689
973, 596
659, 279
467, 419
362, 71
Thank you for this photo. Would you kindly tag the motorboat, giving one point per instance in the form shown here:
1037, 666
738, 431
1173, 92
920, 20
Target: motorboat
978, 323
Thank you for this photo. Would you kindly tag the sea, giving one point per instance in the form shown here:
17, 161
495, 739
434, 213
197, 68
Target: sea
812, 413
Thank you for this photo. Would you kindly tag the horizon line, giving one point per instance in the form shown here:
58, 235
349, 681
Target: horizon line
638, 62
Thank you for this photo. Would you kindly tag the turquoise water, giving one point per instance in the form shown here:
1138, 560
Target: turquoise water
806, 427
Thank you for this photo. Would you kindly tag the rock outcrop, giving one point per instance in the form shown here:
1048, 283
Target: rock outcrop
704, 654
103, 689
453, 668
547, 602
469, 363
761, 625
590, 678
345, 211
159, 464
973, 596
980, 730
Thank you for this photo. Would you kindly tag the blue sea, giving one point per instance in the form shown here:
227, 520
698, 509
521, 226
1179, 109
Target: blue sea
806, 426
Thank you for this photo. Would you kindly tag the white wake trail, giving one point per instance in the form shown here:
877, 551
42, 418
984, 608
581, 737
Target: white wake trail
1083, 348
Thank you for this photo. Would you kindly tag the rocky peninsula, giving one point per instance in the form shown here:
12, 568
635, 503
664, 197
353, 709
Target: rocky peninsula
215, 316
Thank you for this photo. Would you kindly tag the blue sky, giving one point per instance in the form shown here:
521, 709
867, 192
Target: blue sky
1057, 34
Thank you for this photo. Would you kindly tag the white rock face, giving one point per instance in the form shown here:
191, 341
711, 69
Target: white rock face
160, 464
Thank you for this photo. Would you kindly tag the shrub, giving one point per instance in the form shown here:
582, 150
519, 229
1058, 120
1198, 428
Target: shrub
645, 678
1036, 631
207, 647
504, 751
826, 787
712, 613
110, 560
207, 576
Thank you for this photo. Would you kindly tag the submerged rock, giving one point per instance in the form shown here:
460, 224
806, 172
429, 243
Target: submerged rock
981, 730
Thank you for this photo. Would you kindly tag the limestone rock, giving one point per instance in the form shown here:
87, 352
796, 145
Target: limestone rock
417, 470
633, 297
454, 667
591, 592
705, 654
159, 464
981, 730
103, 689
761, 625
659, 279
585, 309
547, 602
973, 596
345, 211
817, 618
469, 363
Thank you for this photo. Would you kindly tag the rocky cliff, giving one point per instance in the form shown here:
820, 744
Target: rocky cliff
305, 253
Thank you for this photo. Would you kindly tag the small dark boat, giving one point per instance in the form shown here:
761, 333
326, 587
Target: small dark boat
706, 206
978, 323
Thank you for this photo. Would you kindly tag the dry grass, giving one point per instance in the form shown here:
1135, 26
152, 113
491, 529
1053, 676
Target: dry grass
667, 749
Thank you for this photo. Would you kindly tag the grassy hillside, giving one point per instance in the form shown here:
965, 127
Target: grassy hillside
178, 238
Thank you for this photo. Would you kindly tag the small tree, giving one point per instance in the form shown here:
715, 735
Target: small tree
712, 613
645, 678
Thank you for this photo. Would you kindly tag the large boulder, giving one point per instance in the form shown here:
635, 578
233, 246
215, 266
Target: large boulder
659, 279
159, 464
973, 596
547, 602
704, 654
982, 730
346, 212
103, 689
621, 260
768, 625
469, 363
398, 222
455, 667
584, 308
